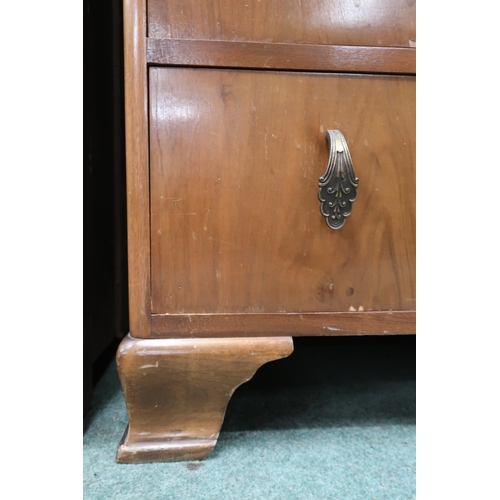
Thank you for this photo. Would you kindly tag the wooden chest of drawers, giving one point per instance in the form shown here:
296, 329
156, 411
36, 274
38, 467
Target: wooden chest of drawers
232, 251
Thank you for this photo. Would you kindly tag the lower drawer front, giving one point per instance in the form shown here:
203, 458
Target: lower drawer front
235, 220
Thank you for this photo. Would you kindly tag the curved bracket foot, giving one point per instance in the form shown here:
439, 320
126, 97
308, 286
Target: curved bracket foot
177, 391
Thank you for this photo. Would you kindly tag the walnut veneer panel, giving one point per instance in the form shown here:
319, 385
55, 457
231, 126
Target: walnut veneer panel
235, 221
338, 22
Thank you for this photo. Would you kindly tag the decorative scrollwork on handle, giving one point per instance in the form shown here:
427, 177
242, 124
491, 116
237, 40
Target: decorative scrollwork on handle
338, 185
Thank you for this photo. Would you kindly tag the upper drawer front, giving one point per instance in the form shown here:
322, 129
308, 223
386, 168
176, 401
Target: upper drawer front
235, 218
336, 22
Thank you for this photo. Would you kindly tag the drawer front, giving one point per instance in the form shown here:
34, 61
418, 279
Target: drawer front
337, 22
235, 159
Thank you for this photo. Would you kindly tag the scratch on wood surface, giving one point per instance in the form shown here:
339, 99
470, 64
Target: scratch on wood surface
350, 332
148, 366
225, 242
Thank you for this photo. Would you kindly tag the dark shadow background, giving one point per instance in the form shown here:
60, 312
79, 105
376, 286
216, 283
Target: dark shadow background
331, 381
105, 307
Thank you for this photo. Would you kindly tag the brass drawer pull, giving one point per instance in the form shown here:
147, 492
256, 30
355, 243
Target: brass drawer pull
338, 185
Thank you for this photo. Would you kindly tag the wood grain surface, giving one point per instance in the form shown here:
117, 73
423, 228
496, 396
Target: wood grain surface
177, 391
296, 324
305, 57
235, 161
336, 22
137, 158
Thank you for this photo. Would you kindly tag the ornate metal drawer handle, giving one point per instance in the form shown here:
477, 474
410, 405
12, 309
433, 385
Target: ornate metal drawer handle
338, 185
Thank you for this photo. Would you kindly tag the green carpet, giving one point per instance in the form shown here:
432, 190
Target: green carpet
335, 420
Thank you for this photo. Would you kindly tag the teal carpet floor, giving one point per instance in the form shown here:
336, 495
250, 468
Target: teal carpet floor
334, 421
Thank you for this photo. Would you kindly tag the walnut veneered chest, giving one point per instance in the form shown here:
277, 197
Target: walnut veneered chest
235, 197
